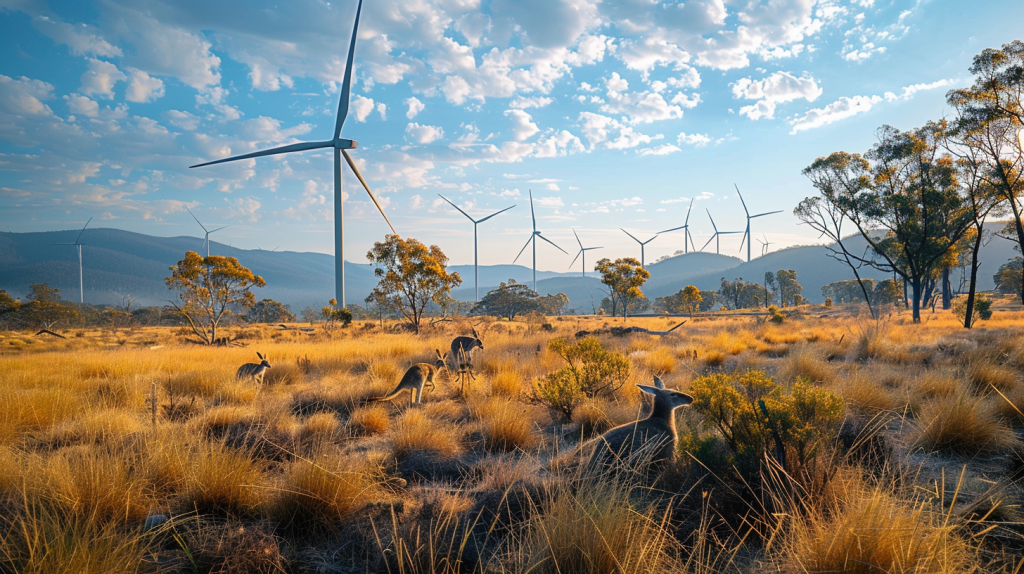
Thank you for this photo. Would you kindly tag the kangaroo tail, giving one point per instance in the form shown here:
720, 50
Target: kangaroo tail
386, 397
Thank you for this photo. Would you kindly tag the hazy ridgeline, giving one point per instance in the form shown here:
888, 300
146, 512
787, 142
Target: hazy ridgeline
919, 469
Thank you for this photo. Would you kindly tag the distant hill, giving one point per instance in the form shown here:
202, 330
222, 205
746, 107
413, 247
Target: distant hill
118, 261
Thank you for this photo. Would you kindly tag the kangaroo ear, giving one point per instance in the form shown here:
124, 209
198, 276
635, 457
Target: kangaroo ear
658, 382
258, 354
648, 389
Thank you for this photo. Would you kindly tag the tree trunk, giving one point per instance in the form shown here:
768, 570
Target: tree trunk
916, 295
974, 281
946, 290
906, 300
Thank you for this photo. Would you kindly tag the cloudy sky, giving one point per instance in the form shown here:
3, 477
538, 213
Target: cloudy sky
614, 113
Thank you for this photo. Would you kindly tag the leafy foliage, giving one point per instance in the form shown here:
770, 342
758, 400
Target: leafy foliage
508, 300
756, 418
410, 276
590, 370
1010, 276
207, 289
333, 316
847, 291
45, 307
270, 311
789, 289
624, 277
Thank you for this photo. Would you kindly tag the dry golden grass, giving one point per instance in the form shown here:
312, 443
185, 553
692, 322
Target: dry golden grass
961, 424
369, 420
319, 493
507, 383
985, 375
222, 479
415, 432
505, 425
808, 364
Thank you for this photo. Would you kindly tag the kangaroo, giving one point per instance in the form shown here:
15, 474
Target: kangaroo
254, 370
653, 437
462, 354
417, 377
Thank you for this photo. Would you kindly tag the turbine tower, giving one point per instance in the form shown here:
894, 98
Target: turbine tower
582, 252
206, 241
746, 234
533, 238
715, 236
78, 244
687, 238
339, 145
642, 244
476, 259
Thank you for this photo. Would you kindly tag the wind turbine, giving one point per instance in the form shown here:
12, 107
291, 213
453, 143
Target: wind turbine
715, 236
339, 145
642, 244
746, 234
582, 252
533, 238
687, 238
78, 244
764, 245
208, 232
476, 259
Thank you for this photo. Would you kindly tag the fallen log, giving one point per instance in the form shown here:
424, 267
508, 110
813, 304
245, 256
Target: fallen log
49, 332
623, 331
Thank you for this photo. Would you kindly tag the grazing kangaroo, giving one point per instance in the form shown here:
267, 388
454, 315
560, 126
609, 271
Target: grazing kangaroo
254, 370
462, 354
418, 376
653, 437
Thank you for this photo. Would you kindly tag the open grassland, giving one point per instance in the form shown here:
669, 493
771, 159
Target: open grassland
303, 474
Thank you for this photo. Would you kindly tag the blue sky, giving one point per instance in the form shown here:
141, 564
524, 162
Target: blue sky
614, 113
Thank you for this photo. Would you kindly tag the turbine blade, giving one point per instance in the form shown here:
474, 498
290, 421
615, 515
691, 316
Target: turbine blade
577, 257
769, 213
455, 206
712, 223
523, 249
219, 228
709, 240
355, 170
532, 216
82, 231
346, 83
592, 248
741, 199
743, 241
552, 243
649, 240
577, 241
196, 218
496, 213
631, 235
674, 229
302, 146
687, 222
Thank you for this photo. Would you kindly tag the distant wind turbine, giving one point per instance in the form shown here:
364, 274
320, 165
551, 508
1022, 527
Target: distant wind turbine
533, 239
258, 248
715, 236
582, 252
339, 146
206, 241
78, 244
687, 238
764, 245
642, 245
476, 260
746, 234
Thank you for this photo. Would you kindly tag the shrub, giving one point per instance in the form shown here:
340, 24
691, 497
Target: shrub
982, 308
590, 371
756, 417
775, 315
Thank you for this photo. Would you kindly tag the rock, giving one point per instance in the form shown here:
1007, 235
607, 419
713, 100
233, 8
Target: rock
154, 521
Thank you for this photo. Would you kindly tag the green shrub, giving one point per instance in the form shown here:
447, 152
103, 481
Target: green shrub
756, 417
590, 370
774, 315
982, 308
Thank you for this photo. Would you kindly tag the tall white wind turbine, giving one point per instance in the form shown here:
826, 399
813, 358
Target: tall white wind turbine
476, 259
687, 238
746, 234
715, 236
764, 245
533, 239
642, 244
339, 145
206, 240
582, 252
78, 244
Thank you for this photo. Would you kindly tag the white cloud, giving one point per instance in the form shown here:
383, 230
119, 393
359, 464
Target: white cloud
362, 106
423, 134
415, 106
852, 54
522, 103
81, 38
846, 107
777, 88
642, 107
550, 201
522, 125
100, 78
142, 87
663, 149
23, 97
696, 140
183, 120
82, 106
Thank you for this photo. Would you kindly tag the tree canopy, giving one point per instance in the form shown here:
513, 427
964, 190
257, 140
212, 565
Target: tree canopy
207, 288
624, 277
508, 300
410, 275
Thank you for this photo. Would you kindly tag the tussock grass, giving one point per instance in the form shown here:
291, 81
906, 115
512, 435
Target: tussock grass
808, 364
369, 420
504, 425
962, 425
591, 419
221, 480
415, 432
984, 375
318, 494
507, 383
